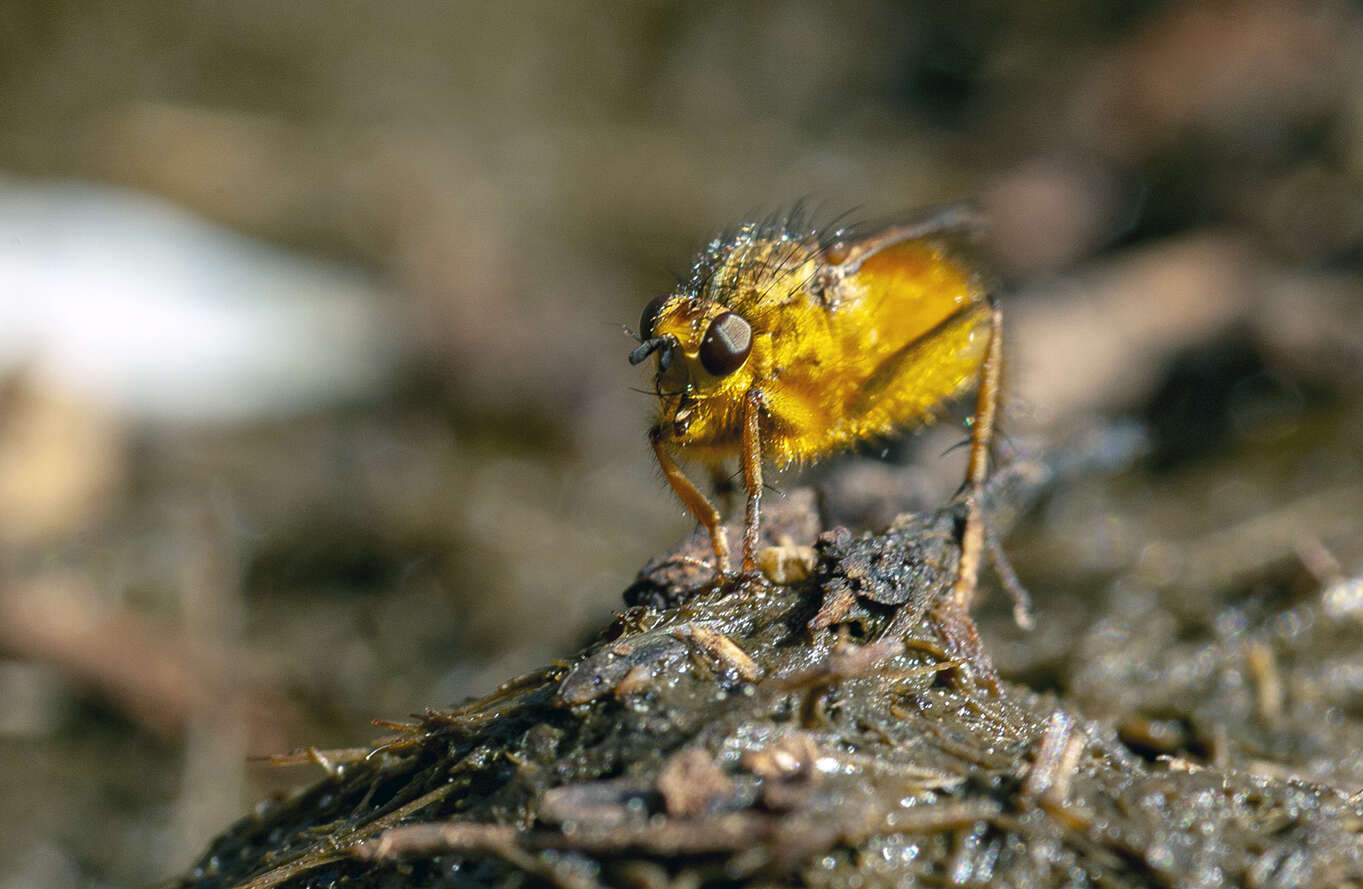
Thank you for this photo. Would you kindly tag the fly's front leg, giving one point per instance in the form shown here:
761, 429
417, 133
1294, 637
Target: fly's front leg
752, 478
695, 502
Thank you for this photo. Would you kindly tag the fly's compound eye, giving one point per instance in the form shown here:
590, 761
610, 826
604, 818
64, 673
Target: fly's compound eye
726, 345
649, 319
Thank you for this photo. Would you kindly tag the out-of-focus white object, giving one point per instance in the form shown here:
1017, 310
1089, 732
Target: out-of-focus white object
126, 300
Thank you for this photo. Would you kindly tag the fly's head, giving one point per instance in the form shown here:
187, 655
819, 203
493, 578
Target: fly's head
702, 351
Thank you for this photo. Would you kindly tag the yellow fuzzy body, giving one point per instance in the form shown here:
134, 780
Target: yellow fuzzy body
849, 341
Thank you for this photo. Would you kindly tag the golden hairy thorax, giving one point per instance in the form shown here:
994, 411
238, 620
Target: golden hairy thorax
849, 340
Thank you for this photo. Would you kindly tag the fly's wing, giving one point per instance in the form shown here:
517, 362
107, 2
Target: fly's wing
925, 326
955, 226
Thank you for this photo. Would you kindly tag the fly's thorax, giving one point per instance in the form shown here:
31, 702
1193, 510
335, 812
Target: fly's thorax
763, 269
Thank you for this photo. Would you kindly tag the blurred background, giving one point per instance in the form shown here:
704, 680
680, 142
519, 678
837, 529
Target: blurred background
314, 405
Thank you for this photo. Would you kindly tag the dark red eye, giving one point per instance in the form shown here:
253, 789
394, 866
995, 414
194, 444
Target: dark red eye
649, 319
726, 345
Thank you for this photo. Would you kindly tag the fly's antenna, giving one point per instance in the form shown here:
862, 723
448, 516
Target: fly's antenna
663, 345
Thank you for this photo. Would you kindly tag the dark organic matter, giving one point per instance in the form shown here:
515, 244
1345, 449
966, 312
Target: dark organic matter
814, 734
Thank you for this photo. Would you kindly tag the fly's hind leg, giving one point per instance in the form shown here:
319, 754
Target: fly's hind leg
695, 502
952, 613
